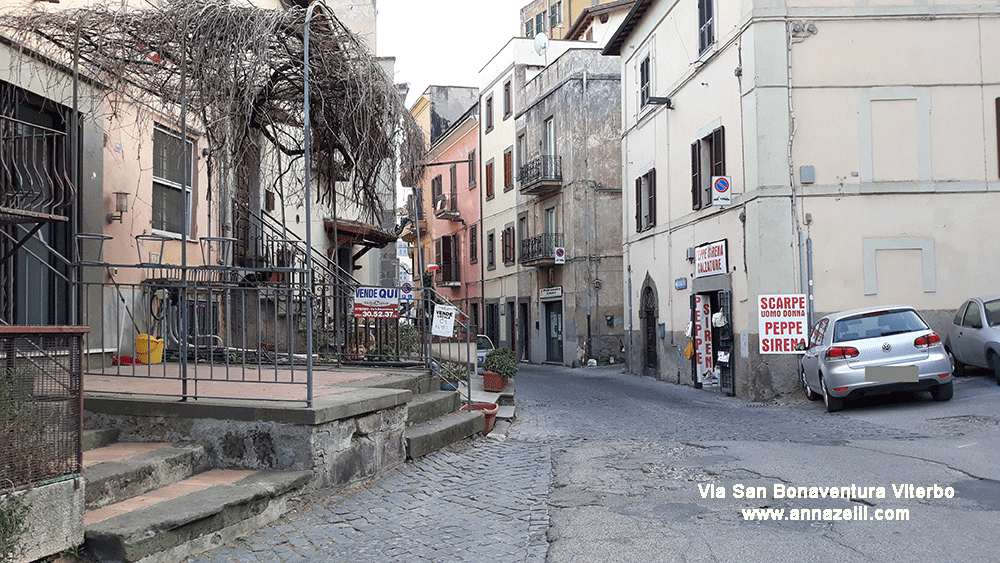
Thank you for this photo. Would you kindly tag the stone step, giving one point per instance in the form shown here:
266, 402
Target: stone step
418, 382
168, 525
98, 438
430, 436
431, 405
127, 469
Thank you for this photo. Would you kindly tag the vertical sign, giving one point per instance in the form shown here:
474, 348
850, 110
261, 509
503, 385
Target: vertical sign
703, 335
444, 320
560, 255
781, 322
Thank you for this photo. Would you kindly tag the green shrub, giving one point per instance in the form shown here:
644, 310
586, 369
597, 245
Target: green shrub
501, 361
454, 371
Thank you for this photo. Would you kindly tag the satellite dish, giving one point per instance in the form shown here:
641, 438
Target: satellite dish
541, 43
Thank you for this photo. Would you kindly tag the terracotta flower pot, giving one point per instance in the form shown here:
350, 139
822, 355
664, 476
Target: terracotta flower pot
493, 382
490, 410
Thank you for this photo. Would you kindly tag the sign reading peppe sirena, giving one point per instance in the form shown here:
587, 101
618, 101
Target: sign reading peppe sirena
782, 322
710, 259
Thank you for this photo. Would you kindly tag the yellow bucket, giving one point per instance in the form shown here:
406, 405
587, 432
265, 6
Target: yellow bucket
148, 350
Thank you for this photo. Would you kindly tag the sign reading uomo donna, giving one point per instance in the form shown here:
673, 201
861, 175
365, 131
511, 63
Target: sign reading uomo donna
376, 302
710, 259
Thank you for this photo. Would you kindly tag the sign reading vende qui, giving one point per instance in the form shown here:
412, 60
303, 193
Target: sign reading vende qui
376, 302
782, 322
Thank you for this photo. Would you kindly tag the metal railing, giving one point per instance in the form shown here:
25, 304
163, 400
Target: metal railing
40, 404
34, 168
246, 332
541, 247
546, 168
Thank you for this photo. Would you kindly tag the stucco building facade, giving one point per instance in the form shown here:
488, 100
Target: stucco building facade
862, 159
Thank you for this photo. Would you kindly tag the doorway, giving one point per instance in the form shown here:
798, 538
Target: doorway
523, 323
553, 334
651, 360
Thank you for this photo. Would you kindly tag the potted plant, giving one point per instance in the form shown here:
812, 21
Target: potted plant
451, 374
498, 368
489, 411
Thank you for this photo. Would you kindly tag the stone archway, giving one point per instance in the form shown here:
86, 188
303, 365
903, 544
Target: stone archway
648, 306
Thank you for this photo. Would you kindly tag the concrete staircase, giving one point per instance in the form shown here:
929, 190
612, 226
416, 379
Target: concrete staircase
160, 502
433, 418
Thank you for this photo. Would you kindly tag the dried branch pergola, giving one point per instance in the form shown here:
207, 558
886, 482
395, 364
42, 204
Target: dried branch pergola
240, 70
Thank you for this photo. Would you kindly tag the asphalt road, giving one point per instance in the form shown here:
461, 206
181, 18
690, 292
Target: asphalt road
640, 467
601, 466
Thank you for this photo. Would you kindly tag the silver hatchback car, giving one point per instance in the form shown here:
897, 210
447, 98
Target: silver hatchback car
872, 351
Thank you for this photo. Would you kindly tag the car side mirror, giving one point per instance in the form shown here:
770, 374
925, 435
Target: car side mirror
800, 346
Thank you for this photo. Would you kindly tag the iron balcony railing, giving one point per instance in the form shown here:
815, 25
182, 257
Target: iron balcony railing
34, 173
541, 247
541, 174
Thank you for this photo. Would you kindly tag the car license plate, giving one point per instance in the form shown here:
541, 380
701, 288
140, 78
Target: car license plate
892, 374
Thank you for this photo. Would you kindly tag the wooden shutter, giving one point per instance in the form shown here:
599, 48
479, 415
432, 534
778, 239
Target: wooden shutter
651, 185
695, 176
719, 152
638, 204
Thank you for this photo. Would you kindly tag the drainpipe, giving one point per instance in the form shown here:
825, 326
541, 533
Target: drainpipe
308, 211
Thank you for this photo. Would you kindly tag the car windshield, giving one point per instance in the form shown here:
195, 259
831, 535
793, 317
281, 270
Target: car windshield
877, 324
992, 312
483, 343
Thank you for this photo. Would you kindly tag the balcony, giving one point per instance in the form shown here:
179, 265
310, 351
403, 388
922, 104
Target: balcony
541, 176
540, 250
448, 276
446, 207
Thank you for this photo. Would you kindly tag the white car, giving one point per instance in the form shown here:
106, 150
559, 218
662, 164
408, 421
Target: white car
483, 347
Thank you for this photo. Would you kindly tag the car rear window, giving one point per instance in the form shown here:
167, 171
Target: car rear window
877, 324
992, 312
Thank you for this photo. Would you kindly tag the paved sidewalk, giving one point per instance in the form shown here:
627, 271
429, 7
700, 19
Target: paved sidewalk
479, 501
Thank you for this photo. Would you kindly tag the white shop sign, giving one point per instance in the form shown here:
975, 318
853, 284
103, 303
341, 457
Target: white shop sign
782, 322
710, 259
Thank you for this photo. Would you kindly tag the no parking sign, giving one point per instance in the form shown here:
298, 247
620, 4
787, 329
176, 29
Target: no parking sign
560, 255
722, 190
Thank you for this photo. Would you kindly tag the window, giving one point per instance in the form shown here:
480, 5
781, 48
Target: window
555, 14
706, 25
437, 193
472, 169
522, 151
453, 191
522, 231
540, 22
708, 158
529, 28
507, 243
491, 262
549, 138
508, 103
508, 169
489, 179
489, 114
645, 201
446, 249
644, 82
473, 244
171, 183
972, 317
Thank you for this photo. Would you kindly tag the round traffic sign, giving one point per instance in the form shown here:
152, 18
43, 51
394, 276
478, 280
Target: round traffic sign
407, 287
721, 185
560, 252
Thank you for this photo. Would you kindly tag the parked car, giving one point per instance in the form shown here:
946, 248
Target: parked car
483, 347
974, 336
871, 351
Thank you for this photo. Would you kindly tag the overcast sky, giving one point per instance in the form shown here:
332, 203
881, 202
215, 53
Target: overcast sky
443, 42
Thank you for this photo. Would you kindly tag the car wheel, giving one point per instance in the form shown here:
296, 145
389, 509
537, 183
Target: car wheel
957, 367
994, 362
810, 394
833, 404
943, 392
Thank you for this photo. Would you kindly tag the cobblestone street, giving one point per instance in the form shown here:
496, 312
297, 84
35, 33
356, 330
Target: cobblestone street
478, 501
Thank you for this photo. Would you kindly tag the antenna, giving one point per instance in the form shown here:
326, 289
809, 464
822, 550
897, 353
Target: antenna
541, 43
